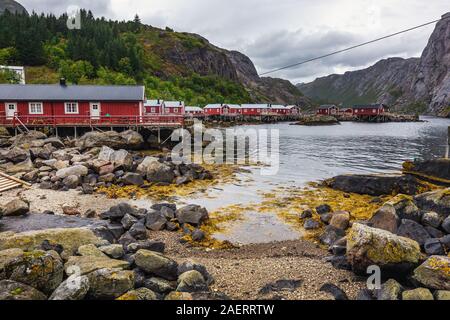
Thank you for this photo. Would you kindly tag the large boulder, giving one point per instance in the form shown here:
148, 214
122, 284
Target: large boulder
434, 169
21, 167
133, 139
192, 214
70, 239
16, 208
88, 264
434, 273
73, 289
141, 294
27, 138
385, 218
192, 281
437, 201
375, 185
405, 208
122, 159
12, 290
39, 269
156, 264
417, 295
413, 230
390, 290
112, 139
110, 283
133, 179
78, 170
158, 172
15, 155
368, 246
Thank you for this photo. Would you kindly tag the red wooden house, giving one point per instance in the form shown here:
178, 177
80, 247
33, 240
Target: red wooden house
235, 109
255, 109
281, 110
174, 107
153, 107
328, 110
194, 112
63, 104
294, 110
370, 109
217, 109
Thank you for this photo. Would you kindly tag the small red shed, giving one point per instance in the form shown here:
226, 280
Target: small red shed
174, 107
153, 107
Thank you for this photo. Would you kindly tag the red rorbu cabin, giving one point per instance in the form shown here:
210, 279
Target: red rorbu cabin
255, 109
194, 112
63, 104
217, 109
294, 110
153, 107
281, 110
328, 110
370, 110
174, 107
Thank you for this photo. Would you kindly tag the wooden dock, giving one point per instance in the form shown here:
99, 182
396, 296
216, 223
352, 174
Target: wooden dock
7, 182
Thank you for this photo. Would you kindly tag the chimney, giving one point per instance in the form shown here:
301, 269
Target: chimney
181, 103
158, 101
62, 82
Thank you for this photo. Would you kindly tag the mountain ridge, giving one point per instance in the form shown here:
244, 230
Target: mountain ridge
419, 85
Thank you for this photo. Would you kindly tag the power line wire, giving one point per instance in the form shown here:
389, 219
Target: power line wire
353, 47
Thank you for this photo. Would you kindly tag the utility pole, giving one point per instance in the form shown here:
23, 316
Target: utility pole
448, 144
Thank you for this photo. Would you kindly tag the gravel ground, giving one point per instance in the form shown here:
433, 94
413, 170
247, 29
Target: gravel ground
240, 273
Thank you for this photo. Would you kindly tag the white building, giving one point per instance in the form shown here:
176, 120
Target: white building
19, 70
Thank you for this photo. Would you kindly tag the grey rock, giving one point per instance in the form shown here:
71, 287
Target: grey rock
134, 179
155, 221
73, 289
157, 264
160, 285
431, 219
413, 230
12, 290
16, 208
128, 221
191, 281
192, 214
434, 247
311, 224
322, 209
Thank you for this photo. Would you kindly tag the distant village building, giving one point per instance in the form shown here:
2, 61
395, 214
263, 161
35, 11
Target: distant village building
153, 107
328, 110
255, 109
194, 112
20, 71
370, 109
174, 107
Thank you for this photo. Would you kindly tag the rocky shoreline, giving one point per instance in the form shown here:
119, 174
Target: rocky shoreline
114, 250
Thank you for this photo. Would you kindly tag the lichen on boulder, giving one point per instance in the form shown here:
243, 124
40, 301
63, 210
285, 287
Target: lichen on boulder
368, 246
434, 273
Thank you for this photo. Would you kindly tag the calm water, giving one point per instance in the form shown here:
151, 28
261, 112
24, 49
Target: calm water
316, 153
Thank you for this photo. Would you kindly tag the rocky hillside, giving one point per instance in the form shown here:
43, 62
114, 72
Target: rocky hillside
413, 85
172, 65
11, 6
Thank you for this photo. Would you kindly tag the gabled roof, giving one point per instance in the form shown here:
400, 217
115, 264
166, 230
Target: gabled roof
214, 106
174, 104
292, 107
234, 106
370, 106
326, 106
192, 109
27, 92
154, 103
255, 106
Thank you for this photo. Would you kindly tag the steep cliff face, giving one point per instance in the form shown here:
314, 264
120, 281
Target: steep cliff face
432, 83
416, 84
183, 53
11, 6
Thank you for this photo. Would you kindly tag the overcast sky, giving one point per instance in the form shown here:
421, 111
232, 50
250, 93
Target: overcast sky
274, 33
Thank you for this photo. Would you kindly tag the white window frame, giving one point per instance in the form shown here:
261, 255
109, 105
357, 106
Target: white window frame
152, 110
71, 112
30, 104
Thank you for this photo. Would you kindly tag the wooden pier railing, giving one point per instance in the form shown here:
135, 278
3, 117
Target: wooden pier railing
88, 121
